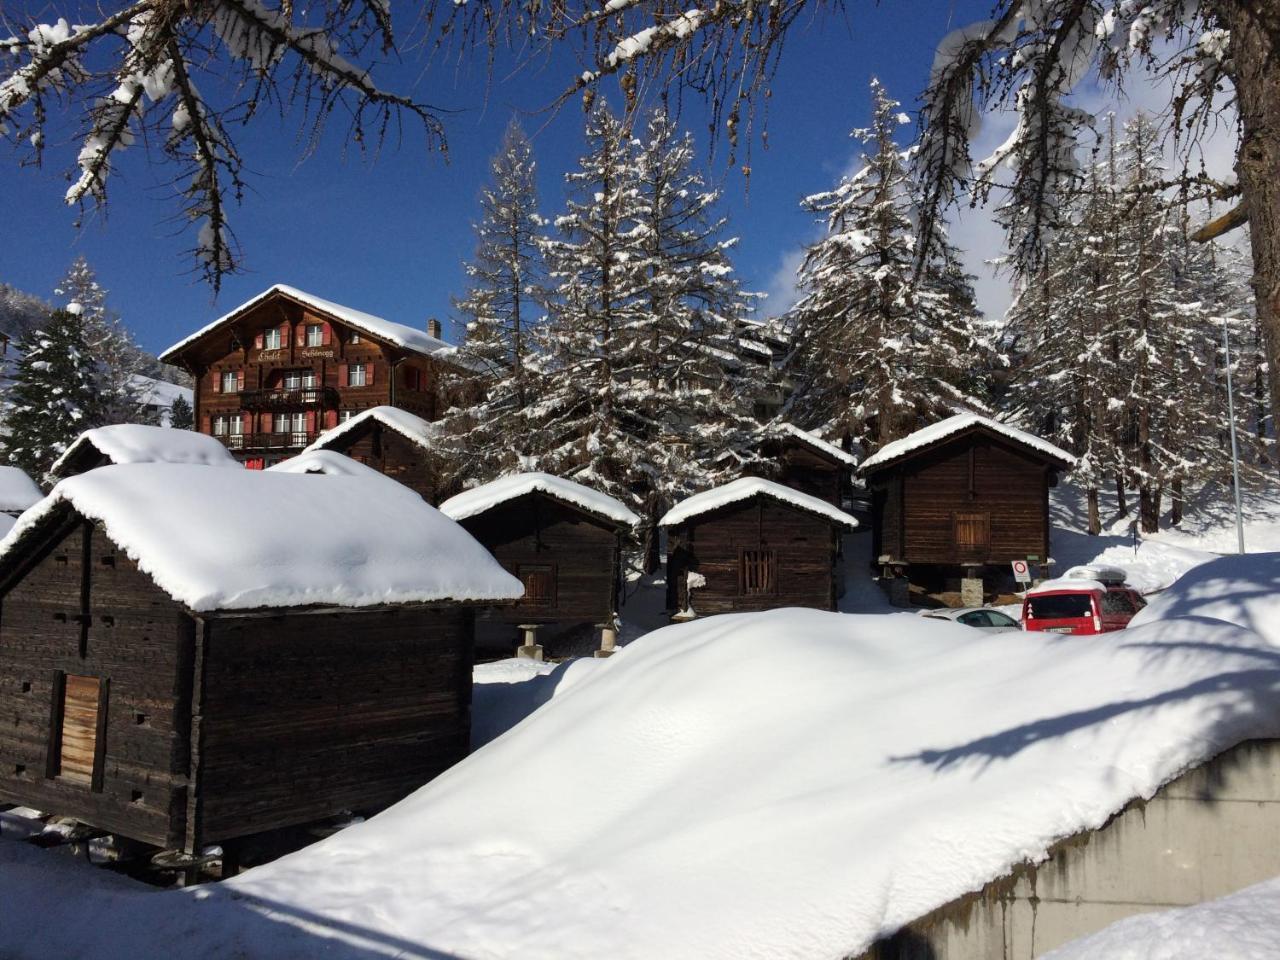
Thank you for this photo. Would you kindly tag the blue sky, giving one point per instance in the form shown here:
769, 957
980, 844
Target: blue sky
390, 236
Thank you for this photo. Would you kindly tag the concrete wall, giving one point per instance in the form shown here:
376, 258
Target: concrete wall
1213, 831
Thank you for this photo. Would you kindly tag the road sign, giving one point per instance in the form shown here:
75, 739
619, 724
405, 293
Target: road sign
1021, 572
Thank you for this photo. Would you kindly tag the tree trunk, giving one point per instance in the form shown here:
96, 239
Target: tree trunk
1149, 509
1255, 51
1095, 518
1122, 507
652, 540
1175, 505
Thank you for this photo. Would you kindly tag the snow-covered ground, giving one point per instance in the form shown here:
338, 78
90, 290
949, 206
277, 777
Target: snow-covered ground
785, 784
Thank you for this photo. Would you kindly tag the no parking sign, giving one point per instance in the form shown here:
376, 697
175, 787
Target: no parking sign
1021, 571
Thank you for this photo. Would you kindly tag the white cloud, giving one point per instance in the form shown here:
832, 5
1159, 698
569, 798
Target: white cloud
781, 293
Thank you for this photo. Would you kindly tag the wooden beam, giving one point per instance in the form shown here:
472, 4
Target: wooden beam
1237, 216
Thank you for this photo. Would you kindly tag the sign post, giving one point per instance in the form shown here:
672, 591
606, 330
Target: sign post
1021, 571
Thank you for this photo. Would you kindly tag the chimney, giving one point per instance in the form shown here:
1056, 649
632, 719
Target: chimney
433, 327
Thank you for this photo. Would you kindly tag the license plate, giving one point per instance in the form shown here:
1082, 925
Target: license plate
1059, 630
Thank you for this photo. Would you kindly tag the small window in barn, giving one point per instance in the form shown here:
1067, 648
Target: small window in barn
271, 338
26, 686
230, 382
757, 572
135, 796
60, 558
539, 581
109, 560
80, 722
315, 335
19, 769
972, 532
140, 719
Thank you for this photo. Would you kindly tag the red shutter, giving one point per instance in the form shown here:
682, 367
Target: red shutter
217, 381
342, 374
206, 424
284, 334
301, 335
240, 380
258, 341
266, 423
330, 419
311, 422
368, 374
326, 334
254, 463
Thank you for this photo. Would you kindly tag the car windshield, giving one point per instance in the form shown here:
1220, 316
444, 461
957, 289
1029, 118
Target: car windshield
1061, 606
998, 619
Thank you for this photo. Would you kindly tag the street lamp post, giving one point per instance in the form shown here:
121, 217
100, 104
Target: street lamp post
1235, 453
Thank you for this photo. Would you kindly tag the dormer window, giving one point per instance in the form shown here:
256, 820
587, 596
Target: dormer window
271, 339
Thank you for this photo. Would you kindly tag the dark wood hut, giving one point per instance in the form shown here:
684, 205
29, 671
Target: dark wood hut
139, 443
963, 493
752, 544
189, 656
398, 444
810, 464
561, 539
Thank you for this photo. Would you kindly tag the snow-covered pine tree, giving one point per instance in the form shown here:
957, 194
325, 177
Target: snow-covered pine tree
54, 394
686, 376
181, 416
117, 358
506, 271
879, 346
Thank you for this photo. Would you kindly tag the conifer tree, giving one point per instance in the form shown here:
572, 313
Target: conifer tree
879, 345
54, 394
181, 416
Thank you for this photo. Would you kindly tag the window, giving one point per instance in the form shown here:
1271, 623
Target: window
1062, 606
291, 423
1117, 602
357, 375
220, 425
315, 335
539, 581
80, 714
355, 337
345, 415
230, 381
757, 572
271, 339
299, 380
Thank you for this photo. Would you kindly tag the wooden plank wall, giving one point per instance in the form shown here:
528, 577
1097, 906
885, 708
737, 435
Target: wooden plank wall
395, 455
1007, 483
302, 716
139, 642
535, 529
804, 545
804, 470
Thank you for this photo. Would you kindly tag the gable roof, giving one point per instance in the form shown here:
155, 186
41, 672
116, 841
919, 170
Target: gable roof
746, 488
814, 442
952, 426
17, 490
141, 443
398, 334
412, 427
204, 538
327, 463
480, 499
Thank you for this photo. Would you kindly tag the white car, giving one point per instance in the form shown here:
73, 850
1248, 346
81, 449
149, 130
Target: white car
982, 618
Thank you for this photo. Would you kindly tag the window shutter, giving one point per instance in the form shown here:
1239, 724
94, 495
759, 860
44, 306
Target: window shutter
330, 419
258, 341
284, 334
343, 369
217, 381
311, 421
300, 336
267, 424
326, 334
240, 380
368, 374
206, 424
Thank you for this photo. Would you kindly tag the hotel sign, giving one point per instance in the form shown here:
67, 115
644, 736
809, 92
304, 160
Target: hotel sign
312, 353
275, 353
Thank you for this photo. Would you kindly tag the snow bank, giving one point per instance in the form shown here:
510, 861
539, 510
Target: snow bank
746, 488
399, 334
17, 490
408, 425
507, 691
486, 497
1242, 926
239, 539
958, 424
790, 784
1243, 590
139, 443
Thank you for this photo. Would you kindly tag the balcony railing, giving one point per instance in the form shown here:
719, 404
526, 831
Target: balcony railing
284, 440
289, 399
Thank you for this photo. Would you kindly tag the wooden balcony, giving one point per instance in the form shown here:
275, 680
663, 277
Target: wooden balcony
283, 440
300, 399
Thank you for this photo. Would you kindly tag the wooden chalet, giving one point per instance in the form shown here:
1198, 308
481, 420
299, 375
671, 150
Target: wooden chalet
561, 539
139, 443
810, 464
174, 671
276, 371
752, 544
963, 493
398, 444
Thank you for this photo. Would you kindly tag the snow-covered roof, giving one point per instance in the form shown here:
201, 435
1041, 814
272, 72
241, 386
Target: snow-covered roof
242, 539
486, 497
410, 338
141, 443
887, 765
958, 424
817, 443
746, 488
326, 463
17, 490
409, 425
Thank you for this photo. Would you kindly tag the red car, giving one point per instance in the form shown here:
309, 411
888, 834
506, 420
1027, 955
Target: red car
1086, 600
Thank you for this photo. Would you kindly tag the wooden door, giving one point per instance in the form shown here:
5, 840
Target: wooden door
81, 705
972, 533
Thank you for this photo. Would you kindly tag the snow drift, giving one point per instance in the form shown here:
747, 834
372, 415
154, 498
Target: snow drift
785, 784
1242, 589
